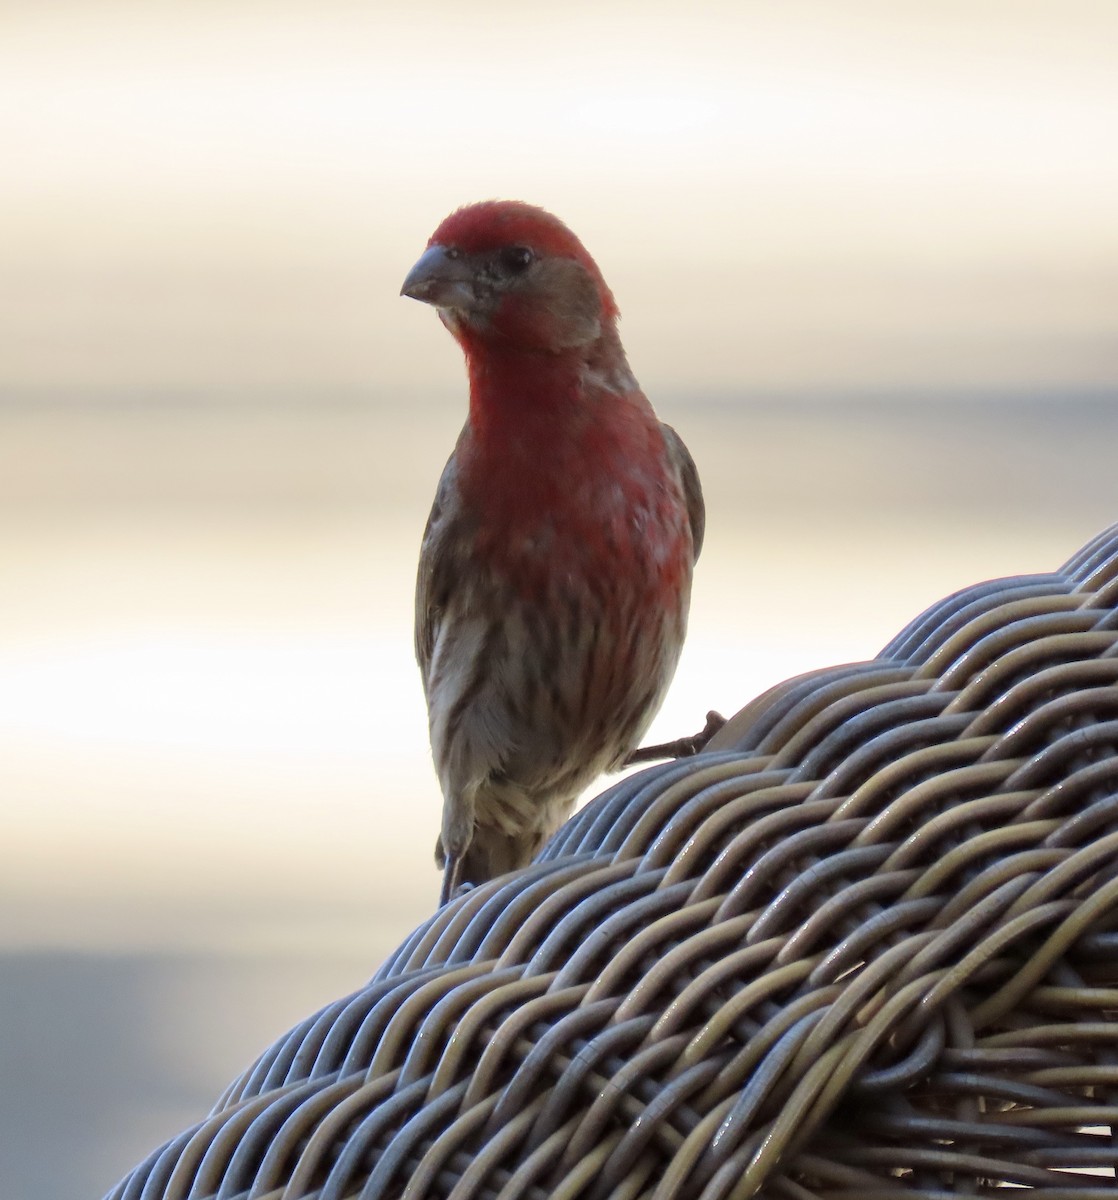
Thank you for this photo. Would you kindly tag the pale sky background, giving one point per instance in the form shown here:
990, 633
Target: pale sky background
867, 257
865, 192
222, 426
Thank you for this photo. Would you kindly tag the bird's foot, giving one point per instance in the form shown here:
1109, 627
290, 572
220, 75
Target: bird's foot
685, 747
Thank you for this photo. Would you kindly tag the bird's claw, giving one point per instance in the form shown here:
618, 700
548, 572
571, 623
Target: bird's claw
685, 747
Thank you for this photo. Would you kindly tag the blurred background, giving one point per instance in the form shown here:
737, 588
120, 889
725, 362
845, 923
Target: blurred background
867, 257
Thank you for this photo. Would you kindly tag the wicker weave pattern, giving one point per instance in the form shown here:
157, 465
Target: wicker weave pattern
866, 944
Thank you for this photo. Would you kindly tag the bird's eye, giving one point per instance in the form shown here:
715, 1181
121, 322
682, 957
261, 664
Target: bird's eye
516, 259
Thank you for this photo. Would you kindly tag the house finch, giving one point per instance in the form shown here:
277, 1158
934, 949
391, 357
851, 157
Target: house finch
555, 570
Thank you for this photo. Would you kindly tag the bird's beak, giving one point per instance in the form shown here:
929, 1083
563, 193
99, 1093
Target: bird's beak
441, 278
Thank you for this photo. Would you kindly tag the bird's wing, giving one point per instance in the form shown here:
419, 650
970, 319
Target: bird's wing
438, 566
692, 487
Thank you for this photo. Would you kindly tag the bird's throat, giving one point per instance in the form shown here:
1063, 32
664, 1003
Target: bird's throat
553, 465
518, 394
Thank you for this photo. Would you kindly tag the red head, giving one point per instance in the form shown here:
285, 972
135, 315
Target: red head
504, 273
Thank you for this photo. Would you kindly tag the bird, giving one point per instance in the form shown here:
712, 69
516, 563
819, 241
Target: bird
555, 569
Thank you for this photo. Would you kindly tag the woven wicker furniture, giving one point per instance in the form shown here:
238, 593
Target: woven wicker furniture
866, 945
